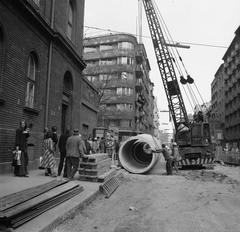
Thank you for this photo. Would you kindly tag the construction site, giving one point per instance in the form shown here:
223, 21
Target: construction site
144, 179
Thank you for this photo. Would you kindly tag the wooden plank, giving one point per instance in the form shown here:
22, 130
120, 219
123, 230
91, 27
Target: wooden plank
24, 195
107, 175
94, 158
97, 165
39, 199
16, 222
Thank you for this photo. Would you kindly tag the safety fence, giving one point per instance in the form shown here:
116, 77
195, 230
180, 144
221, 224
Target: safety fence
231, 157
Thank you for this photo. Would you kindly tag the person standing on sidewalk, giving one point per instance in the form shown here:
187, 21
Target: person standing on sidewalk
62, 148
75, 151
54, 137
175, 155
22, 133
48, 159
94, 146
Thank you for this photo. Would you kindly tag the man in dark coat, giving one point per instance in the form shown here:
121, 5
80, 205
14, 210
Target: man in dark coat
74, 147
62, 148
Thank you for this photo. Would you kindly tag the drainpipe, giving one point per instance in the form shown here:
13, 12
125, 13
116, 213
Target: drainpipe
49, 68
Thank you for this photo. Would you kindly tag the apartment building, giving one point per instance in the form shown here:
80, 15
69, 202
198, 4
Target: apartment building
217, 116
232, 89
119, 68
41, 73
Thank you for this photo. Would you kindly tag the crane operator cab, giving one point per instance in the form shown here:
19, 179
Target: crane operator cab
200, 134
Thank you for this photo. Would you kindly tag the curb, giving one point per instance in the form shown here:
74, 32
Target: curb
69, 214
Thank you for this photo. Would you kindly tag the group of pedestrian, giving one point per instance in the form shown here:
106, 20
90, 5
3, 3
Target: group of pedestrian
71, 148
94, 145
171, 157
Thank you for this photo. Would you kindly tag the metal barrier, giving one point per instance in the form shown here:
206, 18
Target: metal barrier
231, 157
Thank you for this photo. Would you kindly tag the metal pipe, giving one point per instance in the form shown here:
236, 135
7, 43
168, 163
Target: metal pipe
136, 153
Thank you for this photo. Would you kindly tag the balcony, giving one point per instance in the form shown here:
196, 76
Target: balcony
139, 86
139, 57
139, 71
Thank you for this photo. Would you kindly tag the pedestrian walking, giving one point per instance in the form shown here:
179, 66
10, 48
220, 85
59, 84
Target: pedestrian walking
22, 133
48, 159
83, 145
88, 147
168, 159
74, 150
90, 141
102, 145
175, 155
54, 137
94, 146
109, 144
62, 148
98, 144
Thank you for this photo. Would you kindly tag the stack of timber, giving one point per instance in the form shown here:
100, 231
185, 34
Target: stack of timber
19, 208
96, 168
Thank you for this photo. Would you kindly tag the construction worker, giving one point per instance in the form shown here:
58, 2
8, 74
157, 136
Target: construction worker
168, 158
175, 155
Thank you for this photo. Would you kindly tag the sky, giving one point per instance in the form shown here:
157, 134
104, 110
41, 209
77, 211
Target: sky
208, 26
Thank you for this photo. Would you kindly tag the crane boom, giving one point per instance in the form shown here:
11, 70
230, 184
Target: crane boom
167, 72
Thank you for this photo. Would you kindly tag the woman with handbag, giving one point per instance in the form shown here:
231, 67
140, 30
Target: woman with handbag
22, 134
48, 159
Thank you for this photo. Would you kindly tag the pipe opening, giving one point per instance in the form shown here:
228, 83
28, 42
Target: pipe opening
136, 154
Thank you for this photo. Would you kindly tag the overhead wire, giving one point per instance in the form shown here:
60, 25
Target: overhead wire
149, 37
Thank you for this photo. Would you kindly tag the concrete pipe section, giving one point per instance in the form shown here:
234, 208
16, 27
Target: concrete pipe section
136, 155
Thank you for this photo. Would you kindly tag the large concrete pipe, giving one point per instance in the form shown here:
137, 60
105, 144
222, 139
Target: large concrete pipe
136, 155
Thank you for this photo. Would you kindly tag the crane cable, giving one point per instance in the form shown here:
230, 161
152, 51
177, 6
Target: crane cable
190, 90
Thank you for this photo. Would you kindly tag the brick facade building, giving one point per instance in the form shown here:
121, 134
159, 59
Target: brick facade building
41, 73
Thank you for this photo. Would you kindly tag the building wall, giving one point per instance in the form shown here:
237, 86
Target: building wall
25, 28
232, 89
217, 116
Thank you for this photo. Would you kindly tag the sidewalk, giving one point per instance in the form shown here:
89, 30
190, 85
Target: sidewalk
50, 219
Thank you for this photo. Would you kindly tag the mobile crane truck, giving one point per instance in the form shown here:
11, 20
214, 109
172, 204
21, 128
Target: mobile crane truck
193, 138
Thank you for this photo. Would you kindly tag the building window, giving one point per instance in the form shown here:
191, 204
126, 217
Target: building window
125, 76
124, 107
31, 81
104, 47
107, 62
70, 20
92, 78
89, 49
125, 45
125, 60
125, 123
125, 91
